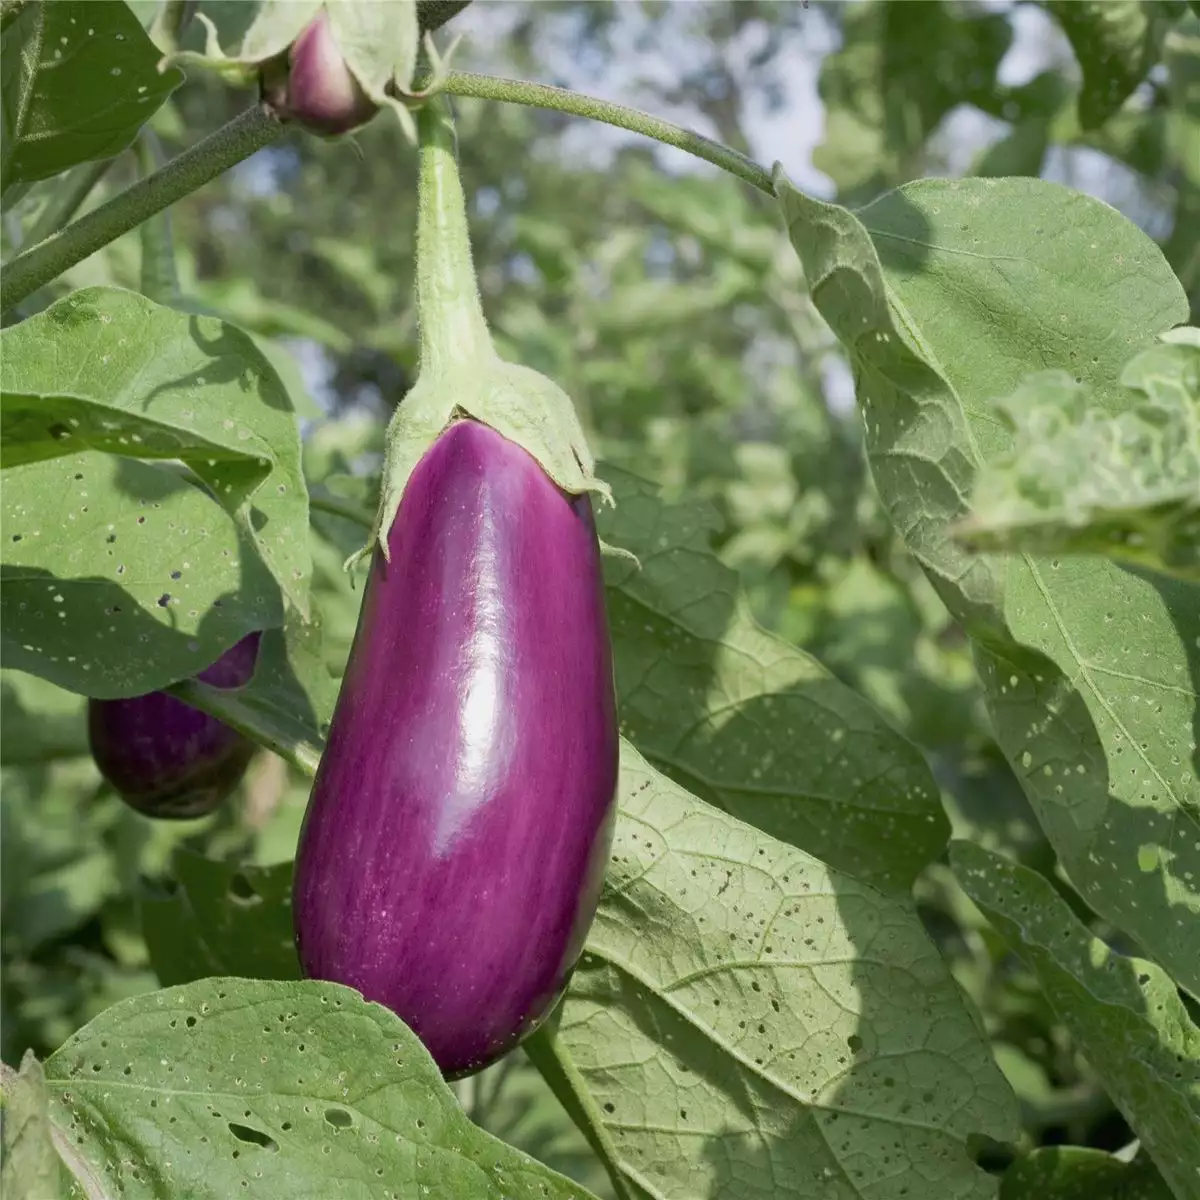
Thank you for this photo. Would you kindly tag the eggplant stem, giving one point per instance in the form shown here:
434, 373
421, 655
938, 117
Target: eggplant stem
453, 330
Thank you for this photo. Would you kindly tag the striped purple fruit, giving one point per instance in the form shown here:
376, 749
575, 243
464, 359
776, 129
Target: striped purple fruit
460, 824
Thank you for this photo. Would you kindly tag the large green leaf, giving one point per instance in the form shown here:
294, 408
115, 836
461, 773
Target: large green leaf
231, 1087
1124, 1014
120, 577
1080, 1173
746, 720
111, 370
80, 78
747, 1022
1079, 481
1087, 668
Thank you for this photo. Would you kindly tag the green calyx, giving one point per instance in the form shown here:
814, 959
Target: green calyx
461, 375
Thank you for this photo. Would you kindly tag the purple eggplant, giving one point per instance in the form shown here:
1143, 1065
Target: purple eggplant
317, 89
167, 759
461, 820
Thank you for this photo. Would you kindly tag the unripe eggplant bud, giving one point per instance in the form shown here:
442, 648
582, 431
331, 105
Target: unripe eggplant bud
166, 759
317, 89
458, 831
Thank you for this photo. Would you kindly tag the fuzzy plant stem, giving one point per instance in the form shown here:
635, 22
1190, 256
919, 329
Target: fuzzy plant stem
540, 95
196, 166
449, 311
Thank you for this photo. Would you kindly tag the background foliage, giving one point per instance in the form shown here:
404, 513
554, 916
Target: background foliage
823, 665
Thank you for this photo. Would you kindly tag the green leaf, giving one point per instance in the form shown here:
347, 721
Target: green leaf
726, 975
747, 1021
231, 1087
32, 1168
1124, 1014
120, 577
111, 370
1080, 1173
745, 720
1116, 42
288, 704
220, 918
79, 80
1087, 669
1079, 481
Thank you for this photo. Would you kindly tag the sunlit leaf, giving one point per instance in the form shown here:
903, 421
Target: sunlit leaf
946, 298
1080, 481
745, 720
1124, 1014
235, 1086
111, 370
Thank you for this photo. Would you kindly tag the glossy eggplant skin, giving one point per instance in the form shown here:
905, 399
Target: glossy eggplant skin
461, 821
167, 759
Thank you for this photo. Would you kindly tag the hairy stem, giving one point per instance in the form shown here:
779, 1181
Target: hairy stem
449, 312
196, 166
540, 95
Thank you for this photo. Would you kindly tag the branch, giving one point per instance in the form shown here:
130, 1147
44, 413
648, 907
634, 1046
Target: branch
540, 95
196, 166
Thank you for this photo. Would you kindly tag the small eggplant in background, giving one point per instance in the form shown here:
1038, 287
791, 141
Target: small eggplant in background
166, 759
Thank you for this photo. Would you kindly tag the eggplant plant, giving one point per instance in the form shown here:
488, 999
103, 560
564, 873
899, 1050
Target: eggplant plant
720, 678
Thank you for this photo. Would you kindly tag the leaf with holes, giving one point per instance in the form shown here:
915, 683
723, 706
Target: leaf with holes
79, 80
1080, 1173
120, 577
220, 918
744, 719
949, 295
288, 704
233, 1087
1123, 1014
748, 1021
110, 370
1079, 481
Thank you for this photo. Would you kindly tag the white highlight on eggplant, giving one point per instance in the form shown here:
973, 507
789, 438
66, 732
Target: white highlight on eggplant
481, 728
